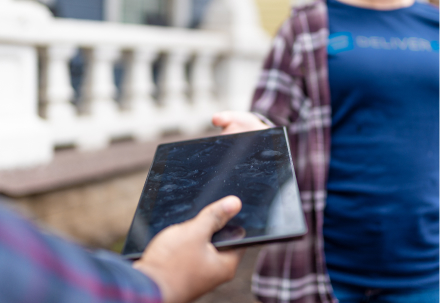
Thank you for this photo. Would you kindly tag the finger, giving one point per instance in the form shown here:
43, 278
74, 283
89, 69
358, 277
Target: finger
222, 119
214, 216
228, 130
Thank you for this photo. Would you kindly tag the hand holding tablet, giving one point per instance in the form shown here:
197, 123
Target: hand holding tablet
187, 176
182, 260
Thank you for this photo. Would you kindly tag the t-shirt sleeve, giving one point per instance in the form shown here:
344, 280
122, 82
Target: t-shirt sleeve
38, 267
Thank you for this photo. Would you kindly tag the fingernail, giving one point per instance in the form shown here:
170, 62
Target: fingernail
230, 204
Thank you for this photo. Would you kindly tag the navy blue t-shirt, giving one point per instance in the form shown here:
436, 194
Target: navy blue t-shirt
381, 225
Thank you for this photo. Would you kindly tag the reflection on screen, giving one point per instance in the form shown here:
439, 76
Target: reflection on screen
187, 176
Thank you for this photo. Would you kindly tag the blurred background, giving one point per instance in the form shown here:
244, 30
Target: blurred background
89, 88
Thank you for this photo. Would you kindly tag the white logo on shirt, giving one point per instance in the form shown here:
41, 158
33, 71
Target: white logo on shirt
394, 43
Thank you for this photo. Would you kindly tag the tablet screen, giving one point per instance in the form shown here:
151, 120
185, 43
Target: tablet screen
187, 176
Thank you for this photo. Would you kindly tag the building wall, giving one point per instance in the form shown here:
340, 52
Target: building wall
79, 9
97, 214
143, 12
273, 13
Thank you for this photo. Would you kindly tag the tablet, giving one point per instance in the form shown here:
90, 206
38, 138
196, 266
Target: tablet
187, 176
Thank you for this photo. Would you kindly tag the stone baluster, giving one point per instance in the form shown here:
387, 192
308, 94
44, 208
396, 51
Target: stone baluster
174, 89
202, 91
56, 93
97, 103
137, 93
249, 44
25, 138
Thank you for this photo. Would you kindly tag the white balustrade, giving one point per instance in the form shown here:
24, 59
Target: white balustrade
181, 101
202, 82
56, 93
97, 103
239, 70
137, 93
174, 88
25, 140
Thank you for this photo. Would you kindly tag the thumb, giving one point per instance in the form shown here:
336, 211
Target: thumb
215, 216
222, 119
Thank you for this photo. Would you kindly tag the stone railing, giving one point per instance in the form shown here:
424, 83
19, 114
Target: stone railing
200, 72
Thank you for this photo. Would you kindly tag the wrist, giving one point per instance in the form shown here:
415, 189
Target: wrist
156, 276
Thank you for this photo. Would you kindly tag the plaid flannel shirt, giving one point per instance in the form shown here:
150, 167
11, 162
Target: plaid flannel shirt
37, 267
293, 91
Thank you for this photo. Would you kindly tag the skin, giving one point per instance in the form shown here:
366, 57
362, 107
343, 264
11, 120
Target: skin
379, 4
234, 122
182, 260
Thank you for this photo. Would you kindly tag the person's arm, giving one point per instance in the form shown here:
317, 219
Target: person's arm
35, 267
279, 95
182, 259
38, 267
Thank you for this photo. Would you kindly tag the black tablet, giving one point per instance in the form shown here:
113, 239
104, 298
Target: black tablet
186, 176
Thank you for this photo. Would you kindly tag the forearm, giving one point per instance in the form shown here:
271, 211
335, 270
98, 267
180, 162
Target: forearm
36, 267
